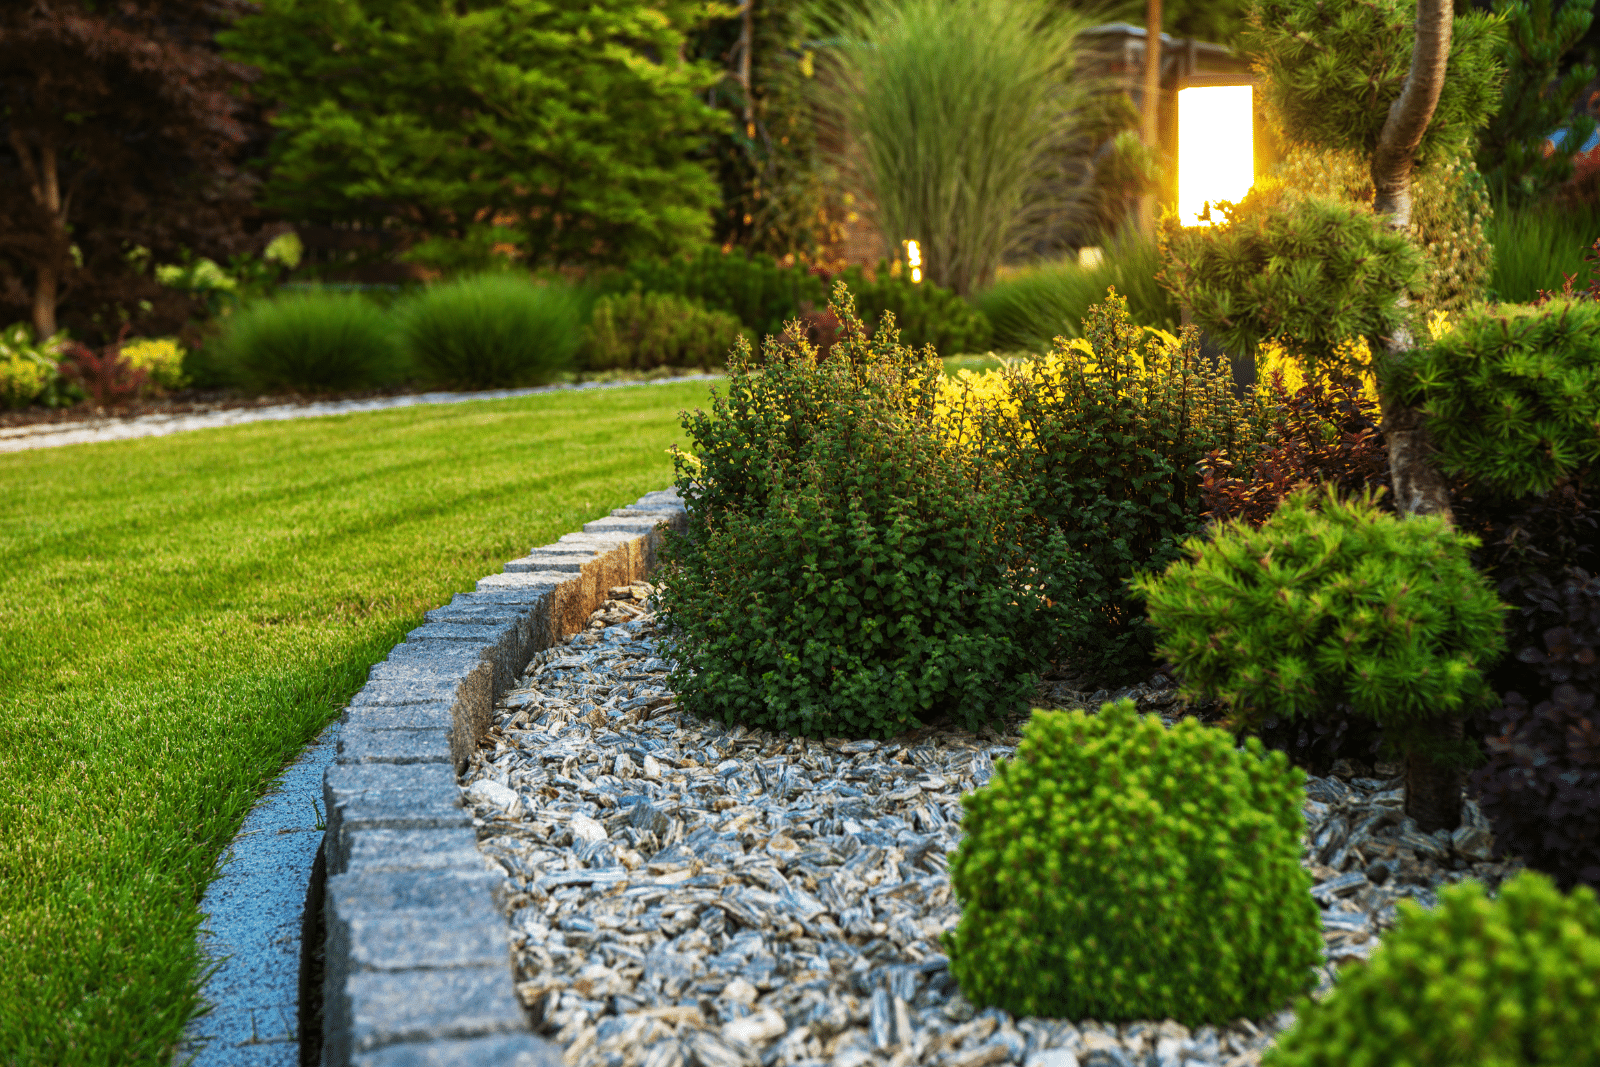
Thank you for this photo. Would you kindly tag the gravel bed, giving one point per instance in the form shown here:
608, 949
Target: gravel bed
686, 893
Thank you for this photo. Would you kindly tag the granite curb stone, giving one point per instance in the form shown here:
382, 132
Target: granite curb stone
418, 968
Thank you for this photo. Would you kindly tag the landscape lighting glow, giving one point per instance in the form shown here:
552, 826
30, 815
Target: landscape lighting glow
1216, 147
914, 258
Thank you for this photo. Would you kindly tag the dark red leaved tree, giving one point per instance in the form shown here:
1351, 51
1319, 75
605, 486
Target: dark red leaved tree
120, 129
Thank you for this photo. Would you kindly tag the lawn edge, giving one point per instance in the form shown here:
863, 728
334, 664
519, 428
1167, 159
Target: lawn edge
416, 943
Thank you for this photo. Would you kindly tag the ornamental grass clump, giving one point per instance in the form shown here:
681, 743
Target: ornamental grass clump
1117, 870
1332, 607
1513, 982
310, 342
493, 330
847, 571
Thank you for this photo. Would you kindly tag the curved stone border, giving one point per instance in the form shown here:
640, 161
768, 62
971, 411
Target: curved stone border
417, 961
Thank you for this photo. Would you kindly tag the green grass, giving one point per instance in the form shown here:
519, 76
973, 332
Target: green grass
180, 615
1535, 248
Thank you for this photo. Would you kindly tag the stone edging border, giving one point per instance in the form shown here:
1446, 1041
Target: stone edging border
417, 969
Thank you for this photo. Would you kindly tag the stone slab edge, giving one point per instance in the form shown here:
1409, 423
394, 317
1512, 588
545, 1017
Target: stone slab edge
418, 964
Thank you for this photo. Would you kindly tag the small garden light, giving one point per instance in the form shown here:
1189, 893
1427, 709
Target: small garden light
1216, 143
914, 258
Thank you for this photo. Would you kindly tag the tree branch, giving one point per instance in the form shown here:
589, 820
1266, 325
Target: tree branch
1410, 114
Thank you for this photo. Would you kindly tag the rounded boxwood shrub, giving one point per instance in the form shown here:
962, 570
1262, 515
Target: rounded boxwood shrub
1509, 983
846, 570
311, 342
493, 331
1119, 870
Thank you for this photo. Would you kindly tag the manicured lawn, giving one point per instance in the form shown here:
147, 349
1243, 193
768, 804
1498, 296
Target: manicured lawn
180, 615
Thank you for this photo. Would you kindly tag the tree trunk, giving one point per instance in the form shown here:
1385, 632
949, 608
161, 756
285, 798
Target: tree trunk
1149, 130
45, 184
746, 44
1433, 792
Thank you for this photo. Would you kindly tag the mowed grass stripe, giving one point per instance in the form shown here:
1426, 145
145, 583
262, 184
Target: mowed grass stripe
180, 615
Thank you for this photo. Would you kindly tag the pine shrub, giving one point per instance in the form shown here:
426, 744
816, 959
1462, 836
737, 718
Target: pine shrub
1331, 606
846, 570
1117, 870
1512, 394
1505, 983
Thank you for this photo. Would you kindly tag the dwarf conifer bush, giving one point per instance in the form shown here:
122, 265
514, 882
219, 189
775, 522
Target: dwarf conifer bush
1105, 439
1308, 270
1328, 603
1510, 983
846, 570
1512, 394
1118, 870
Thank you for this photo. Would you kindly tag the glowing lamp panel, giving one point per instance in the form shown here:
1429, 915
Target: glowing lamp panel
1216, 147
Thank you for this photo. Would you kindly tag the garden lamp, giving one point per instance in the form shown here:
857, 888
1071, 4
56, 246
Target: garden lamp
914, 259
1216, 142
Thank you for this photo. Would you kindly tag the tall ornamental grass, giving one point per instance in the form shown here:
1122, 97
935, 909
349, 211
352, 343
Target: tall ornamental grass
493, 331
1033, 307
1537, 247
313, 342
962, 118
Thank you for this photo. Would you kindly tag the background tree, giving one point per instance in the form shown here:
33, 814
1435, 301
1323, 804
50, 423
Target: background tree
119, 135
778, 191
1537, 100
566, 129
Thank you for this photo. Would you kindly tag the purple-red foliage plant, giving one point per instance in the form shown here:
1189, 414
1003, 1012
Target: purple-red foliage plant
107, 375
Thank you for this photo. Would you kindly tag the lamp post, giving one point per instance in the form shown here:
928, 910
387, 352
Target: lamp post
1216, 142
1216, 161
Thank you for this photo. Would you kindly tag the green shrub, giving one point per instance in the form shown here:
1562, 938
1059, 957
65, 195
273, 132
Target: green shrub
492, 331
846, 571
1512, 394
312, 342
1030, 309
640, 331
924, 313
1328, 603
1311, 271
1507, 983
1537, 248
1105, 440
29, 371
161, 358
1118, 870
762, 295
1449, 213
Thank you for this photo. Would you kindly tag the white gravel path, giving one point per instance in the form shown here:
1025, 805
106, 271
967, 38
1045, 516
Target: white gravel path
55, 435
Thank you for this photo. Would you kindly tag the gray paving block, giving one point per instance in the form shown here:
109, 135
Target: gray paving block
382, 849
640, 524
434, 716
360, 796
549, 563
505, 658
395, 746
466, 891
431, 939
398, 692
375, 1009
509, 1050
510, 630
540, 579
466, 683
